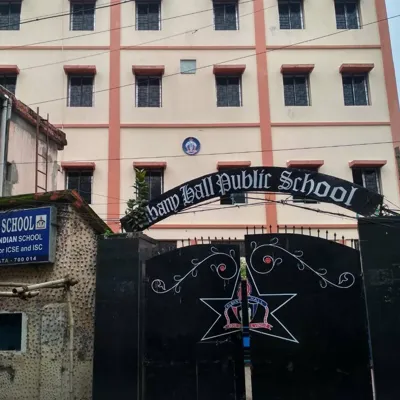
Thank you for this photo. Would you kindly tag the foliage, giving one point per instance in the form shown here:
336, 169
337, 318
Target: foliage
243, 265
136, 207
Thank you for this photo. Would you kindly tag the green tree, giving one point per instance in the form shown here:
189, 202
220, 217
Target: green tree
136, 207
243, 265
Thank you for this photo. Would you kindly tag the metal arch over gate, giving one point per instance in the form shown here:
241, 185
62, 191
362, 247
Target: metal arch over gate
305, 312
308, 184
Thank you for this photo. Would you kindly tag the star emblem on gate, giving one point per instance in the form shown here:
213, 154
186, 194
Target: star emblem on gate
262, 310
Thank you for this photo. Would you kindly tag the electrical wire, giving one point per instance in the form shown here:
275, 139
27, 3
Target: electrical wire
393, 204
91, 33
333, 146
193, 31
63, 14
225, 61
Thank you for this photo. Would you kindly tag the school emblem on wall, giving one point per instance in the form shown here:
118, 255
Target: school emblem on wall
191, 146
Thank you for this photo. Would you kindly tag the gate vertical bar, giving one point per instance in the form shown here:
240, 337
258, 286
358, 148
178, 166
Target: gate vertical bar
246, 341
37, 148
47, 154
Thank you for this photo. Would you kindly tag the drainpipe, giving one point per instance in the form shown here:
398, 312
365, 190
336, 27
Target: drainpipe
5, 116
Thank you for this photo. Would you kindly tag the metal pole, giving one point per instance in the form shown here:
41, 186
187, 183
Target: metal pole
47, 151
3, 136
37, 148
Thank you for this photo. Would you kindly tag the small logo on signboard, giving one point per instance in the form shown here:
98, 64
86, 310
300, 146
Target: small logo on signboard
41, 221
191, 146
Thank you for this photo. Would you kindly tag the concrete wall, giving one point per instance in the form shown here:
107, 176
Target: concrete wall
21, 155
41, 371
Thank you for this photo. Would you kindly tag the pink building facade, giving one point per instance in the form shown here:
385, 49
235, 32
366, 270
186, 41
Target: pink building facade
307, 84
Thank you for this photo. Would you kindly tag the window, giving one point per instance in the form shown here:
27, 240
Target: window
9, 82
148, 16
300, 199
347, 14
291, 14
188, 66
234, 198
148, 91
82, 15
155, 182
368, 177
355, 90
225, 17
10, 15
229, 91
81, 181
10, 331
80, 91
296, 91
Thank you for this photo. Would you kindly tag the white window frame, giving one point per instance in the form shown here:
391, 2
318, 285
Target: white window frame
69, 90
72, 16
137, 91
24, 333
366, 87
137, 16
162, 170
345, 2
67, 177
240, 90
301, 12
378, 177
307, 76
9, 12
236, 4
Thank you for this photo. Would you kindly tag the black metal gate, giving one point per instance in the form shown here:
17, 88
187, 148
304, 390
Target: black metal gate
313, 343
188, 350
305, 314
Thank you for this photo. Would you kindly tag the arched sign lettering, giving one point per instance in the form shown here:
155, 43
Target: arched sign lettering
308, 184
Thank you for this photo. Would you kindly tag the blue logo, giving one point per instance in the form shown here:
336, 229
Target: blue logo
27, 236
191, 146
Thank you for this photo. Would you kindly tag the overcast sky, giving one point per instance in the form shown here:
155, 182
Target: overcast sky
393, 8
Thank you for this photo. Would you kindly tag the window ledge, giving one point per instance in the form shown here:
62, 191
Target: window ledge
78, 165
232, 69
80, 69
297, 68
367, 163
149, 165
148, 69
305, 163
356, 68
9, 69
233, 164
